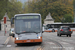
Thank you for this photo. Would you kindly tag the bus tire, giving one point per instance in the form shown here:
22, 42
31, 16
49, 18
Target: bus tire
39, 43
18, 44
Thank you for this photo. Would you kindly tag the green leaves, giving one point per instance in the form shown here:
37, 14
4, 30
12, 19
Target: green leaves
12, 7
57, 8
68, 18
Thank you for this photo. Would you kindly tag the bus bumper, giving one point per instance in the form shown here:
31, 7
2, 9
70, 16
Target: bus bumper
28, 41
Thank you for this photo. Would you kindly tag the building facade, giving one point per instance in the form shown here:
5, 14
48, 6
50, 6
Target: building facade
7, 25
49, 19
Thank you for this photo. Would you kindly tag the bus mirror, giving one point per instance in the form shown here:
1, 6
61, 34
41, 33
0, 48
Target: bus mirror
12, 22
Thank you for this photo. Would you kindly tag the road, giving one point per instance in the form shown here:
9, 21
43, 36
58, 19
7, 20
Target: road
50, 42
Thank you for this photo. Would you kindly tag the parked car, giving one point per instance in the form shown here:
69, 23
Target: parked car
64, 30
11, 32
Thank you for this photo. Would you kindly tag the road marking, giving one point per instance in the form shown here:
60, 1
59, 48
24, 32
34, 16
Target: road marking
64, 43
6, 40
39, 48
8, 45
67, 40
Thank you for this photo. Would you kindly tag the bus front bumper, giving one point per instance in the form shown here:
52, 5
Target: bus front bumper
28, 41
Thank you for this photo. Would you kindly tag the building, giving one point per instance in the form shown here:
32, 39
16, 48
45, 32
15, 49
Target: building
8, 23
49, 19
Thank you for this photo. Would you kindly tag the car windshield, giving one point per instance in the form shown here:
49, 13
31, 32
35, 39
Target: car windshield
65, 28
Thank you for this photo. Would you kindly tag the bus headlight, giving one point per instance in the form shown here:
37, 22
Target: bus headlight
17, 38
39, 37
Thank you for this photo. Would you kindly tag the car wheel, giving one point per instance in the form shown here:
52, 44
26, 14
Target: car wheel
59, 35
69, 35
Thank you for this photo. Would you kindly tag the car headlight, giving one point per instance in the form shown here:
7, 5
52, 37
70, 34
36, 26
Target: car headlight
17, 38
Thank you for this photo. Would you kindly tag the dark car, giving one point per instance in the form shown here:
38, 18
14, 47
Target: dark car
64, 30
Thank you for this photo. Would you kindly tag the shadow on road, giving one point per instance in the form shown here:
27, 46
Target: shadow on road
28, 44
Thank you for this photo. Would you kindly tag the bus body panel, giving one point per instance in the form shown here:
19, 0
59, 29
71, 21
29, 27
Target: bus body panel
28, 37
48, 27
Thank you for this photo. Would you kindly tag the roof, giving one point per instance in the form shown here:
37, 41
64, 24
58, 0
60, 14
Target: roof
49, 18
7, 18
28, 14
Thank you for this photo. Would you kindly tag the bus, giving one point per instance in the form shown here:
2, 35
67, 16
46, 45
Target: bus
28, 28
54, 27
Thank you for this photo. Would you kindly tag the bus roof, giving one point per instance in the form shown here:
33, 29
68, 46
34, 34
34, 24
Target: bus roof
28, 14
63, 23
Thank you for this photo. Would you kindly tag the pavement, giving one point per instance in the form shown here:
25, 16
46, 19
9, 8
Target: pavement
4, 39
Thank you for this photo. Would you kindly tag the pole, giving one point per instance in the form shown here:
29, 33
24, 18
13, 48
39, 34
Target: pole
5, 24
4, 29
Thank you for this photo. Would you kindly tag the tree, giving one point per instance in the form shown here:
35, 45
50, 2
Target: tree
68, 18
12, 7
57, 8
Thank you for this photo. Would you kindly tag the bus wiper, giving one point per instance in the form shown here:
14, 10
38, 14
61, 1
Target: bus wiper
34, 32
31, 32
25, 32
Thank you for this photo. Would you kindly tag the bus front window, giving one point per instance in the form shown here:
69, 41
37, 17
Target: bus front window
27, 26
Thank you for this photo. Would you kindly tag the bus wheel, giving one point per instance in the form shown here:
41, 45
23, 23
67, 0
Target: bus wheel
39, 42
18, 44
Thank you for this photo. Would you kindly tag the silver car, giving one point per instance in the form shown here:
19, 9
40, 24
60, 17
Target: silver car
11, 31
64, 30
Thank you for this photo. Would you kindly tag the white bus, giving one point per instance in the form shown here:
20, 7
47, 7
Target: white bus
28, 28
54, 27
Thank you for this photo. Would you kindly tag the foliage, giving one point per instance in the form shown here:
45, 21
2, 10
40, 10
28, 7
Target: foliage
57, 8
12, 7
68, 18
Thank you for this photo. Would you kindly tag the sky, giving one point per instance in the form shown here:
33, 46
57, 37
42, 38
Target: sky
23, 1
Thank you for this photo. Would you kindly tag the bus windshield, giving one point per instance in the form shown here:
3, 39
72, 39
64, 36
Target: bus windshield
27, 25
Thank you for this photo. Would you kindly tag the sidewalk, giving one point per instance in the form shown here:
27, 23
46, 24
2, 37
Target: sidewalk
3, 39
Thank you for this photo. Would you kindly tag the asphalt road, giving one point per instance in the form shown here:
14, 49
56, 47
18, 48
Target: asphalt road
50, 42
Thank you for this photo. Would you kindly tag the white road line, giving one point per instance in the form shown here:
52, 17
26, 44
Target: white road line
8, 45
64, 43
6, 40
67, 40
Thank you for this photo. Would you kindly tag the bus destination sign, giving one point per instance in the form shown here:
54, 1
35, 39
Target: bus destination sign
27, 17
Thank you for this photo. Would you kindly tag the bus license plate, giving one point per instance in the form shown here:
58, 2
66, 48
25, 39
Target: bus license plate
28, 40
